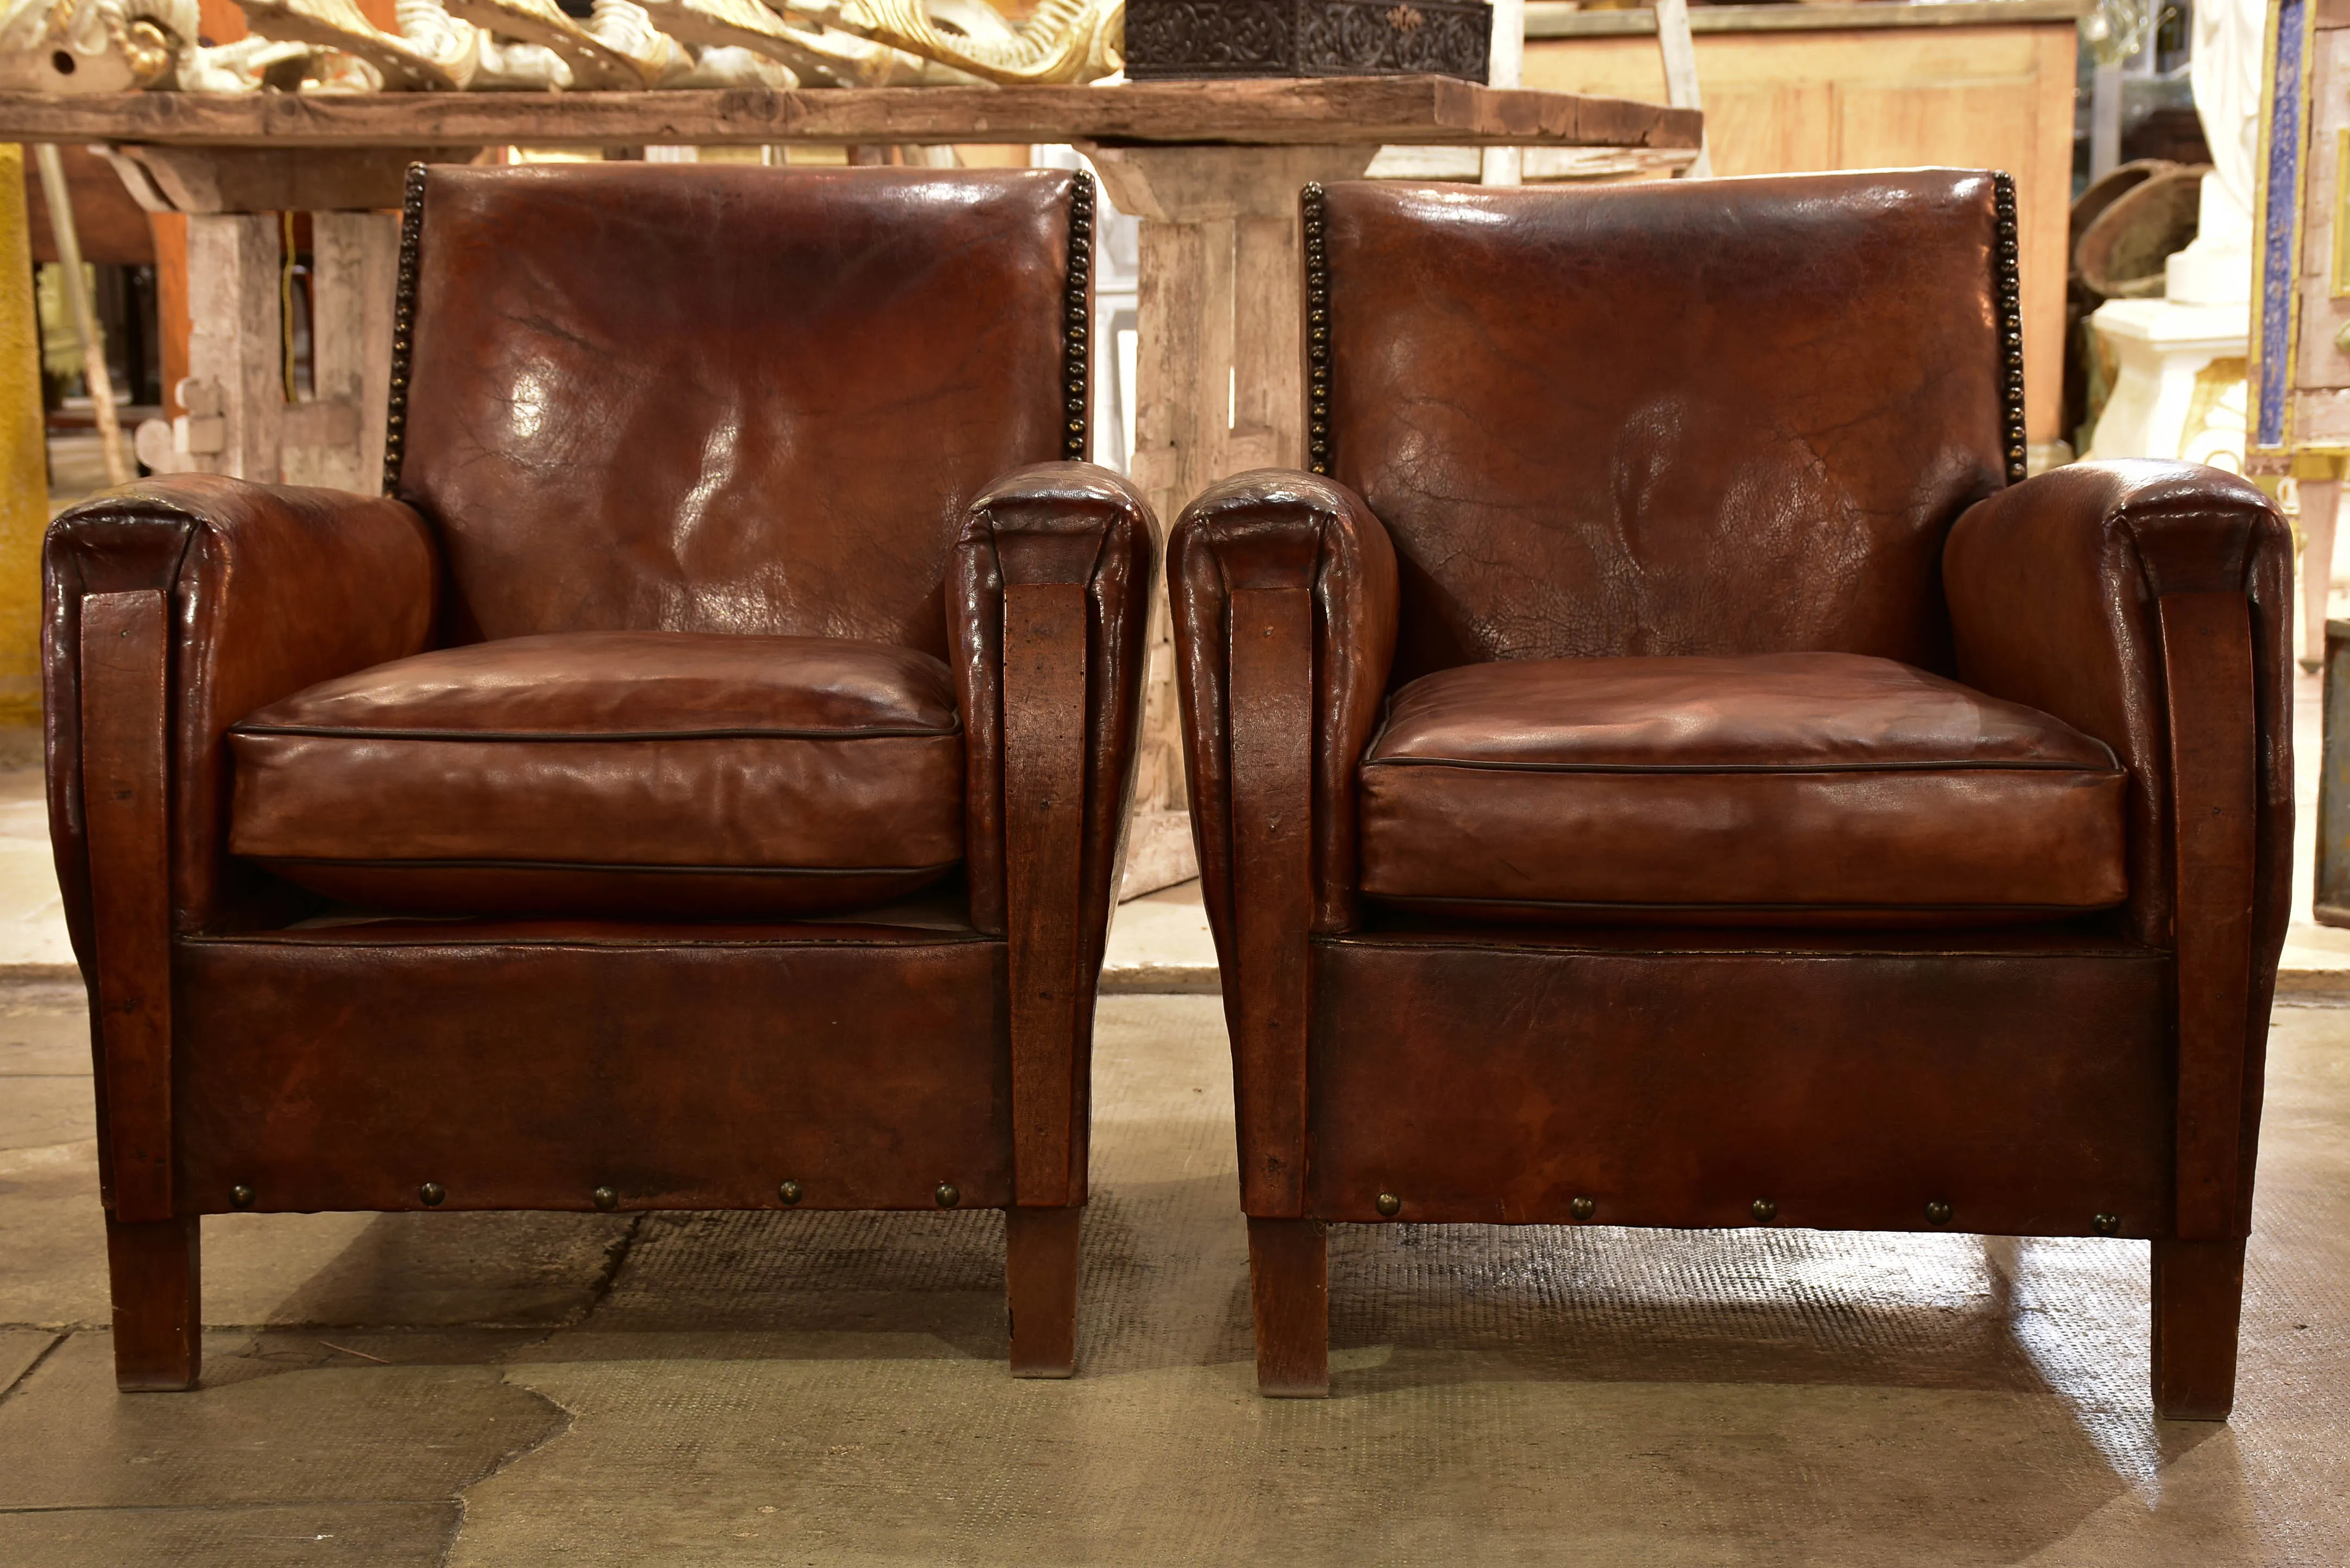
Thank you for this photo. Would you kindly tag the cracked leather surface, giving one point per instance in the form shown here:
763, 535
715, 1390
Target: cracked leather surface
611, 773
726, 400
2053, 587
272, 588
1274, 528
1651, 420
1810, 787
1056, 522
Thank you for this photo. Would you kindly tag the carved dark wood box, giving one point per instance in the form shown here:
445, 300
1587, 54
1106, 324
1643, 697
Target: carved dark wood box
1171, 38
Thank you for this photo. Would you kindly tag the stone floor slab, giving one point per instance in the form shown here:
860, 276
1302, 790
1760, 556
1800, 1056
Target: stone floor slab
39, 1111
262, 1429
44, 1029
298, 1535
20, 1350
412, 1271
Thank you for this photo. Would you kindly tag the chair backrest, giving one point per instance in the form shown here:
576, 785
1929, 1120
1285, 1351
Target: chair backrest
643, 396
1704, 417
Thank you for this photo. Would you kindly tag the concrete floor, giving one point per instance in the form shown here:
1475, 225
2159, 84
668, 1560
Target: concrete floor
501, 1391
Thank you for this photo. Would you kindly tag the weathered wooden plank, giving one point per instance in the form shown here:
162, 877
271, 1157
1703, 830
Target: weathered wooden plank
354, 258
1554, 19
1394, 109
233, 341
283, 179
1219, 381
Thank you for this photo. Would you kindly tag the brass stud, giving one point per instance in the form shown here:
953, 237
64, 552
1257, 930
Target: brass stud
1939, 1212
1582, 1208
2107, 1224
789, 1191
1765, 1210
432, 1192
949, 1195
606, 1199
1389, 1205
241, 1195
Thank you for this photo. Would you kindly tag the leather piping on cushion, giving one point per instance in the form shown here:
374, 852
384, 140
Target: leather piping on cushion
1780, 789
634, 773
641, 892
1805, 917
1722, 844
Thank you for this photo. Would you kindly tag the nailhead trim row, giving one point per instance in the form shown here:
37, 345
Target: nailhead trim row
1076, 329
1318, 334
2007, 288
403, 323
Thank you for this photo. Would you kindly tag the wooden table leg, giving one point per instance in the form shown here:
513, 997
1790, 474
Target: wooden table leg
336, 439
234, 345
1219, 374
221, 216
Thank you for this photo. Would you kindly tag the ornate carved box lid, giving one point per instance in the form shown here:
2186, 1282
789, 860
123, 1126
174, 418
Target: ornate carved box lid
1175, 38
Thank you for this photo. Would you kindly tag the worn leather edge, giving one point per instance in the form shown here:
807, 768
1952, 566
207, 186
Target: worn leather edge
1271, 528
1269, 570
1075, 525
178, 535
2157, 529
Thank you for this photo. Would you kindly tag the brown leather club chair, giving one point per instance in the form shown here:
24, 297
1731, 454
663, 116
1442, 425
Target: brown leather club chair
698, 785
1668, 766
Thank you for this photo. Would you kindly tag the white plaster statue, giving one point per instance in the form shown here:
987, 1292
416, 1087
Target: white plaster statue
2230, 40
1064, 41
823, 57
508, 64
437, 54
2180, 360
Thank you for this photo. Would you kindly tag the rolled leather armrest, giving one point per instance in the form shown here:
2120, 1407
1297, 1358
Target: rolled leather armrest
266, 590
2054, 588
1065, 524
1049, 614
1272, 529
2151, 605
1284, 606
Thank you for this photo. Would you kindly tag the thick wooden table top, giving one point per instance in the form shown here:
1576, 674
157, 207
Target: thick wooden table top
1435, 110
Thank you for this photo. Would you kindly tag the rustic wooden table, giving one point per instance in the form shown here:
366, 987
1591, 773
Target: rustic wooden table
1212, 171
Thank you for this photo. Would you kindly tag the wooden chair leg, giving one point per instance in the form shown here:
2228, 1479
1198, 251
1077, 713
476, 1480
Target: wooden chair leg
154, 1270
1289, 1283
2198, 1296
1041, 1278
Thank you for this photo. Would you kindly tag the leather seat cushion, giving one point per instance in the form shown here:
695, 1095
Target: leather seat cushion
658, 774
1794, 788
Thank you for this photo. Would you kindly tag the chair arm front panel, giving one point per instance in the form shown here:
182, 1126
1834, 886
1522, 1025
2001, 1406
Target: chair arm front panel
268, 589
170, 609
2149, 604
1284, 591
1049, 609
1274, 529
